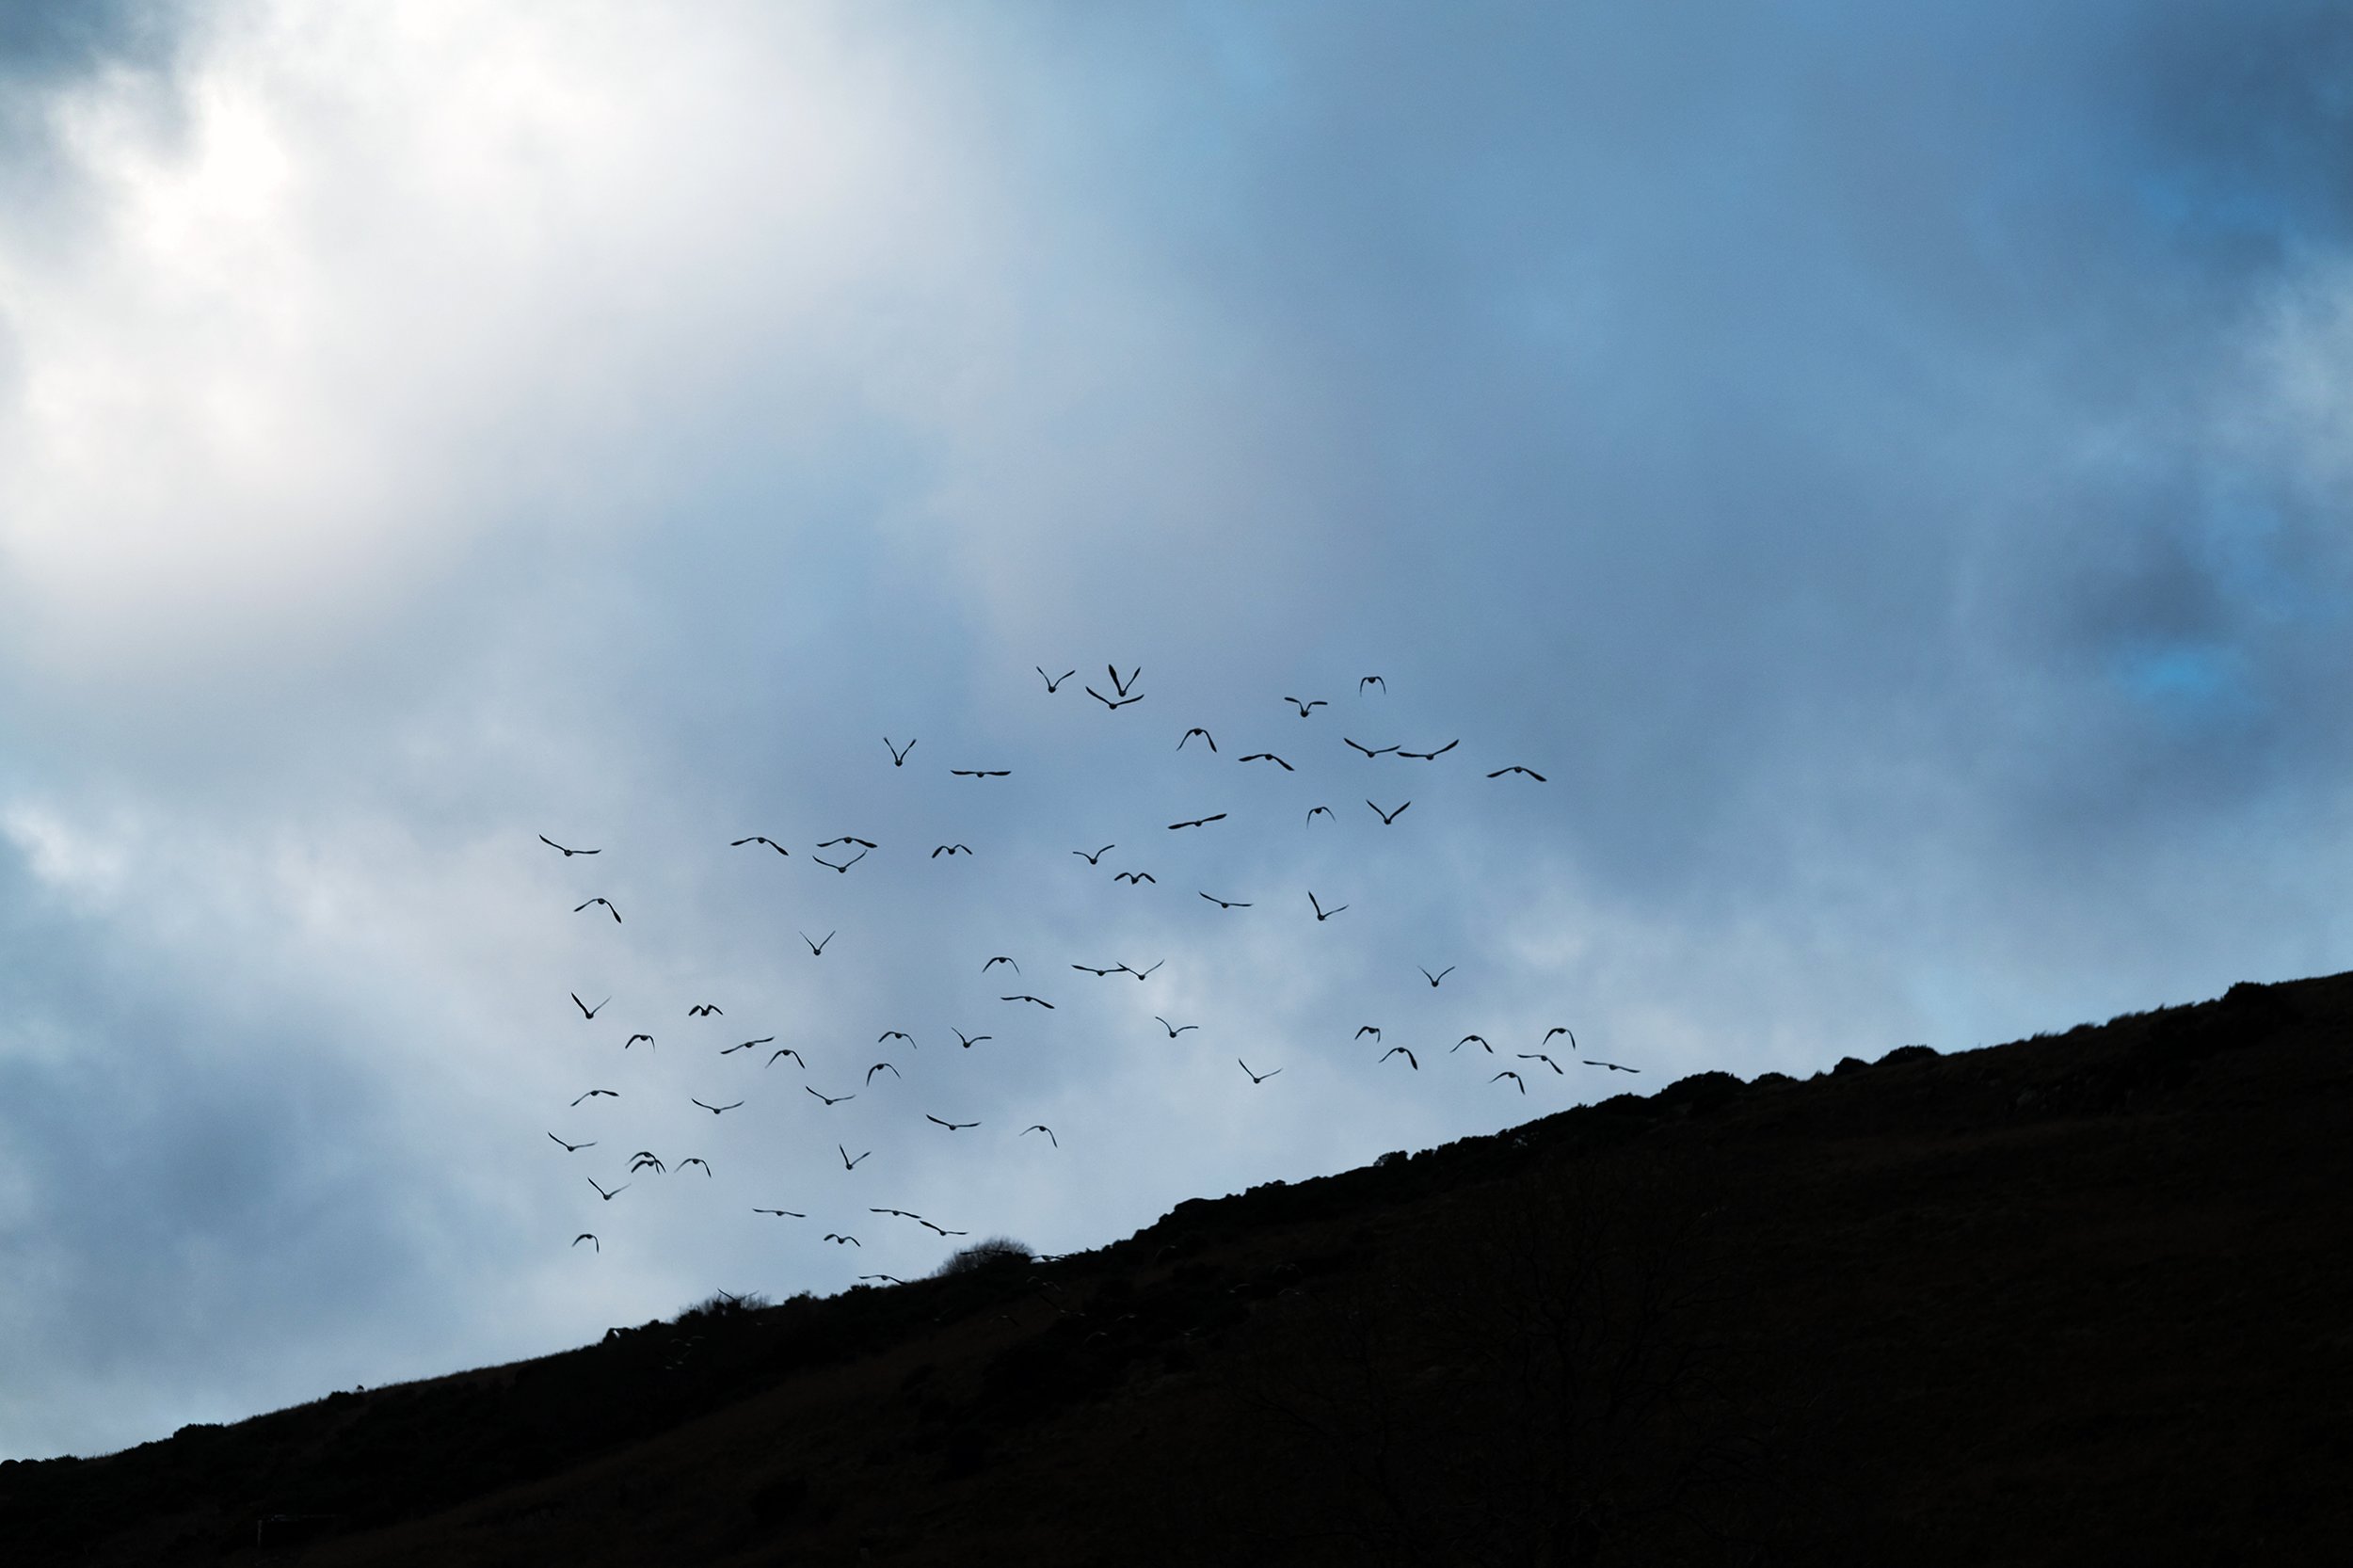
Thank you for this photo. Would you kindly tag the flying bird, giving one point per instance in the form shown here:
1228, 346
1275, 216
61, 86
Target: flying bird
714, 1109
1001, 958
608, 908
610, 1093
1141, 974
831, 1099
605, 1195
586, 1236
1516, 768
747, 1045
1174, 1030
635, 1038
1367, 750
1099, 973
1468, 1039
1388, 817
1197, 822
897, 1213
896, 1034
1372, 680
695, 1159
1433, 979
928, 1226
969, 1041
951, 850
1374, 1029
1225, 903
892, 1278
588, 1011
1321, 913
1197, 729
1429, 756
1270, 757
1611, 1065
878, 1068
572, 1148
1135, 878
849, 838
1097, 855
1302, 707
1051, 681
898, 754
850, 1239
1106, 702
1040, 1127
568, 853
1040, 1000
1559, 1029
645, 1158
1256, 1078
758, 839
1514, 1076
787, 1050
952, 1127
982, 772
1538, 1056
844, 866
848, 1163
781, 1214
704, 1010
1121, 686
816, 950
1318, 810
1400, 1050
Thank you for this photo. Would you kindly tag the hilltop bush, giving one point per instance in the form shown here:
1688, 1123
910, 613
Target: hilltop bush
997, 1251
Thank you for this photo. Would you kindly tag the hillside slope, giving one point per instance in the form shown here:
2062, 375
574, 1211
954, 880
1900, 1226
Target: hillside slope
2082, 1296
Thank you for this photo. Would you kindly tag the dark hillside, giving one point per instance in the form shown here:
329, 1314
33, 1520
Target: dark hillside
2083, 1297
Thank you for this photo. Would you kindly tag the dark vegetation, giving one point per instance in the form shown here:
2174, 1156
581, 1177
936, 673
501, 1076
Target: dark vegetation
2079, 1298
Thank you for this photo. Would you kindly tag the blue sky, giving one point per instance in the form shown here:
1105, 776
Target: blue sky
1886, 468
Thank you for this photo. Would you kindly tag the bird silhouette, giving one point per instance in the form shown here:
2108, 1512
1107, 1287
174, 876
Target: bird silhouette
1388, 817
758, 839
1538, 1056
714, 1109
1256, 1078
1174, 1030
982, 772
1611, 1065
1321, 913
1304, 707
1097, 855
646, 1160
1001, 958
952, 1127
1514, 1076
609, 1093
878, 1068
897, 1213
1040, 1127
1374, 1029
1319, 812
608, 908
816, 950
969, 1041
1368, 751
748, 1044
781, 1214
1433, 979
896, 1034
1135, 878
1270, 757
695, 1159
1468, 1039
568, 853
850, 1239
1040, 1000
1225, 903
892, 1278
605, 1195
787, 1050
1197, 822
1099, 973
898, 754
1559, 1029
1372, 680
844, 866
587, 1011
1142, 974
1197, 729
572, 1148
635, 1038
928, 1226
704, 1010
1400, 1050
1516, 768
1121, 686
1052, 681
849, 838
1429, 756
831, 1099
1106, 702
951, 850
590, 1237
849, 1164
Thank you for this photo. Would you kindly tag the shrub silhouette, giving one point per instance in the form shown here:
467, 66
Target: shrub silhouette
721, 1304
996, 1251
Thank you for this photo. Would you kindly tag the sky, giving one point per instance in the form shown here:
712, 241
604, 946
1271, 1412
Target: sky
1886, 468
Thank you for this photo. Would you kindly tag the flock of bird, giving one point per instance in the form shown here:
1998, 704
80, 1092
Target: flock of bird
644, 1163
